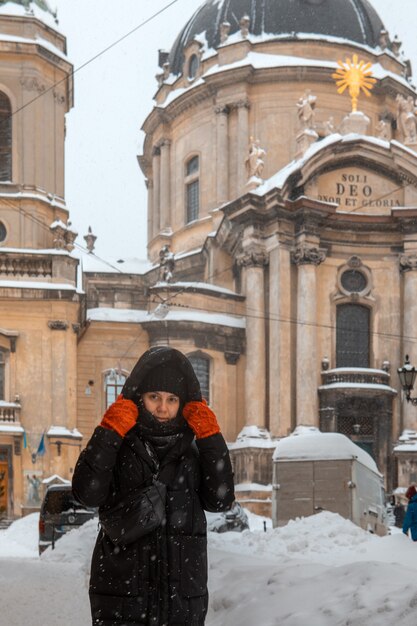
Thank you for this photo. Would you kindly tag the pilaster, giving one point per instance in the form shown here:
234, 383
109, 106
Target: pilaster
253, 260
307, 258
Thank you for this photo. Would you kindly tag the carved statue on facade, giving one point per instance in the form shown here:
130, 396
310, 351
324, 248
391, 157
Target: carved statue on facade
167, 264
224, 31
244, 26
406, 119
306, 105
254, 162
329, 127
383, 130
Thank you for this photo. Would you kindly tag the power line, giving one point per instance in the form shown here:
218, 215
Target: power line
94, 58
297, 322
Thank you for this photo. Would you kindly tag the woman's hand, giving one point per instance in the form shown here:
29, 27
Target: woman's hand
200, 419
121, 416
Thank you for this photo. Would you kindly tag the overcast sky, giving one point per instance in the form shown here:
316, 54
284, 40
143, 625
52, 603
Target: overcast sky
113, 95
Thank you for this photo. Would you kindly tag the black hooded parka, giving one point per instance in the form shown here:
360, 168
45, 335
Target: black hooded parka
161, 578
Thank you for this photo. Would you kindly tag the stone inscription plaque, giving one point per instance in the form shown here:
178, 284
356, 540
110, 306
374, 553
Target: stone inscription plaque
358, 191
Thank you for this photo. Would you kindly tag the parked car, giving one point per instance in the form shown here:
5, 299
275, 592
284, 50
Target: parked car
60, 512
235, 519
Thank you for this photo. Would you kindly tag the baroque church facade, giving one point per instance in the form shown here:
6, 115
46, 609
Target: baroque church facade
282, 242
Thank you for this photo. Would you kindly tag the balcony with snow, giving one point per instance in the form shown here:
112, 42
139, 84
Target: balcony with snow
357, 402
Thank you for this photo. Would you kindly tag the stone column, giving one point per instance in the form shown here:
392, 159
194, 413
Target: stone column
242, 142
151, 228
281, 380
408, 266
222, 155
156, 169
254, 261
165, 208
307, 258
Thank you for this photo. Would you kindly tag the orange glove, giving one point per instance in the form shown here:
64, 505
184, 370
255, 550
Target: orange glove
201, 419
121, 416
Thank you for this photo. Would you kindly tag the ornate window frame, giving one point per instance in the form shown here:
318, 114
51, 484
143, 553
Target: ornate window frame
119, 377
354, 264
207, 359
6, 127
192, 181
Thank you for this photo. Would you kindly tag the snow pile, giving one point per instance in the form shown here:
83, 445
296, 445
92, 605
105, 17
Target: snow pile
21, 538
320, 570
320, 536
75, 546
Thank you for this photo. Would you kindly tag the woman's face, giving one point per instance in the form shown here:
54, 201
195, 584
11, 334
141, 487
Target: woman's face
162, 404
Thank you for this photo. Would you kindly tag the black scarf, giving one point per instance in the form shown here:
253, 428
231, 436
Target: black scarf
162, 436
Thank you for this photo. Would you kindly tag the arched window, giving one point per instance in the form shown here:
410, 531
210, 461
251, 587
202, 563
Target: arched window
193, 65
5, 138
352, 335
192, 189
201, 366
2, 374
113, 385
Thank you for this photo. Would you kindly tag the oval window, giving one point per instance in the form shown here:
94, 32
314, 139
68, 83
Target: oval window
193, 66
3, 232
354, 281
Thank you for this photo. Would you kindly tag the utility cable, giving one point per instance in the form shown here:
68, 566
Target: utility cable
94, 58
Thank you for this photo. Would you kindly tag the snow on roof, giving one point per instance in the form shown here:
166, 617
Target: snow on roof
261, 60
34, 251
406, 447
317, 446
408, 434
55, 477
52, 200
196, 285
265, 37
105, 314
93, 264
408, 439
40, 41
278, 180
58, 223
11, 428
9, 405
62, 431
253, 437
176, 93
27, 284
12, 8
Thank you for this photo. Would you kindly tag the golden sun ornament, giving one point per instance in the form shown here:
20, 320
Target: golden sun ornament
355, 75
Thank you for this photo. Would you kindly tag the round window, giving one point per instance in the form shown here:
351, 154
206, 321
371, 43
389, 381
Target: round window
3, 232
354, 281
193, 66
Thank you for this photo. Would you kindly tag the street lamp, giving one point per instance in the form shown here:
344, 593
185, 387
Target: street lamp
407, 374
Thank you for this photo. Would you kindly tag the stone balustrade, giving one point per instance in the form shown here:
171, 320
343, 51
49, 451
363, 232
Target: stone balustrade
25, 266
355, 376
9, 412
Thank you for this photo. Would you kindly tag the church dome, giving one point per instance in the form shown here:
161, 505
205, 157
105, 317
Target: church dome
354, 20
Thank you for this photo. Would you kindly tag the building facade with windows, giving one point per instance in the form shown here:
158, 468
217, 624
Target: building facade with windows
282, 243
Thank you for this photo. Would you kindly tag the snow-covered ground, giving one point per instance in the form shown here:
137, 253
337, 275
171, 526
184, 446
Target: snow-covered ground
320, 571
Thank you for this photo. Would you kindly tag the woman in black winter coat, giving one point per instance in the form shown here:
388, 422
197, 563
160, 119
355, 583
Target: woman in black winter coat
154, 463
